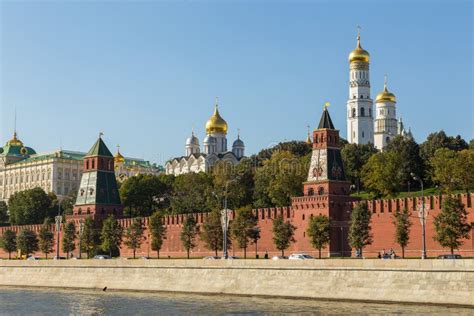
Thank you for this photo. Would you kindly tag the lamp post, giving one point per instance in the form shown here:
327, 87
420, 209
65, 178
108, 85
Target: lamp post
225, 218
342, 241
423, 228
81, 231
58, 219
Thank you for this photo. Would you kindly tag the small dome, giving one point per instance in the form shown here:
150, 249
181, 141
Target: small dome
238, 143
385, 95
359, 54
15, 141
193, 140
118, 158
216, 124
209, 140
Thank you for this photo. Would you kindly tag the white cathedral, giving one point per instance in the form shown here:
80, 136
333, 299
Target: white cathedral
362, 128
215, 149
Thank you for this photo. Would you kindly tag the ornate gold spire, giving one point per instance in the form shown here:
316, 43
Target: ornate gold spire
15, 141
308, 138
385, 95
118, 158
359, 54
216, 124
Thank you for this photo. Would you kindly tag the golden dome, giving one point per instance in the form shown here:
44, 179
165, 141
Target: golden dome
15, 141
216, 124
359, 54
118, 158
385, 95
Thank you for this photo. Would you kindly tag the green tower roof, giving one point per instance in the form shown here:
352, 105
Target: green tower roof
99, 149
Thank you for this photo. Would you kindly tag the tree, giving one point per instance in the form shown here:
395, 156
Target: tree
283, 234
27, 242
111, 236
242, 226
8, 242
359, 229
141, 194
443, 165
465, 161
188, 233
29, 207
3, 213
157, 231
354, 157
46, 239
451, 224
438, 140
254, 238
192, 193
381, 174
69, 237
279, 179
297, 148
134, 235
90, 237
318, 232
67, 203
212, 234
402, 228
408, 157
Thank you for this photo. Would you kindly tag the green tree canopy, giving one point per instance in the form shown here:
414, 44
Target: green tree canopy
451, 224
90, 237
465, 162
211, 233
46, 239
279, 179
8, 242
401, 220
29, 207
192, 193
283, 234
141, 194
157, 231
3, 213
188, 233
318, 232
69, 237
111, 236
27, 242
243, 226
443, 167
297, 148
360, 230
354, 157
439, 140
382, 175
134, 235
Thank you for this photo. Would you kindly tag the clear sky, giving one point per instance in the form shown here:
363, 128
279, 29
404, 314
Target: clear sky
145, 72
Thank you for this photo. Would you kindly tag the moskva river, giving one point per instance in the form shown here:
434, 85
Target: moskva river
16, 301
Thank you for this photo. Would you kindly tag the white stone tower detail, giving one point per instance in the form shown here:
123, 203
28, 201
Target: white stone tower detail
360, 122
386, 125
192, 145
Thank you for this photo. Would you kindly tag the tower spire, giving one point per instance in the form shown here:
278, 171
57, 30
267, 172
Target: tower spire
385, 83
358, 36
308, 137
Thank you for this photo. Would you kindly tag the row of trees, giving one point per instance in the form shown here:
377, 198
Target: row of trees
386, 173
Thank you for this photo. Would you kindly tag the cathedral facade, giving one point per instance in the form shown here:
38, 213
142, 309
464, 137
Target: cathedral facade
364, 125
214, 149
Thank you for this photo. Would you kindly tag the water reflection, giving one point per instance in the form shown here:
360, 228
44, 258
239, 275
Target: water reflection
86, 302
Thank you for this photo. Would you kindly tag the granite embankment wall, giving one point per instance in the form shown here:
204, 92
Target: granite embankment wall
415, 281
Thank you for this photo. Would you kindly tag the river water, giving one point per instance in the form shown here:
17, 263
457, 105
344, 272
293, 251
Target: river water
16, 301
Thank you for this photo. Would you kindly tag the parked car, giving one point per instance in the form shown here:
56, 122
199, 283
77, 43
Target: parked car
102, 257
449, 256
300, 256
229, 258
32, 258
389, 256
279, 257
211, 258
145, 258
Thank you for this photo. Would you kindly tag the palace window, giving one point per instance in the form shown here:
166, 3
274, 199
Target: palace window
363, 134
353, 112
362, 112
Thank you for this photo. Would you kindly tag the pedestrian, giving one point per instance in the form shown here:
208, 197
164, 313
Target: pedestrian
266, 255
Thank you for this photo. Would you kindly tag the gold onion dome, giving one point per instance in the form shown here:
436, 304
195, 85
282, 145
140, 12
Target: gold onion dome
216, 124
15, 141
385, 95
118, 158
359, 54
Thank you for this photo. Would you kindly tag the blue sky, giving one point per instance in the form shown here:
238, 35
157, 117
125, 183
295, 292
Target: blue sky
145, 72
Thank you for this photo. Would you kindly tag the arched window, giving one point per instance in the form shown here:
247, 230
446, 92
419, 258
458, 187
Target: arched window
387, 139
362, 112
363, 134
361, 96
320, 191
93, 164
87, 164
370, 112
353, 112
310, 191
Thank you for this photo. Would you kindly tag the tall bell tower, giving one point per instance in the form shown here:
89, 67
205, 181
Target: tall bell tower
360, 121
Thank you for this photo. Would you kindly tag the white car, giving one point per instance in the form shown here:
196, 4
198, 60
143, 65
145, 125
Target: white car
32, 258
279, 258
300, 256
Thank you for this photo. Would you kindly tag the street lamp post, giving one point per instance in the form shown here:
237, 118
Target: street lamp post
58, 219
225, 215
423, 225
81, 231
342, 241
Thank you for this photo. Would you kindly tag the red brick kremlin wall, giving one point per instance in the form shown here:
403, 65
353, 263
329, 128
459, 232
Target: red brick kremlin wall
383, 229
